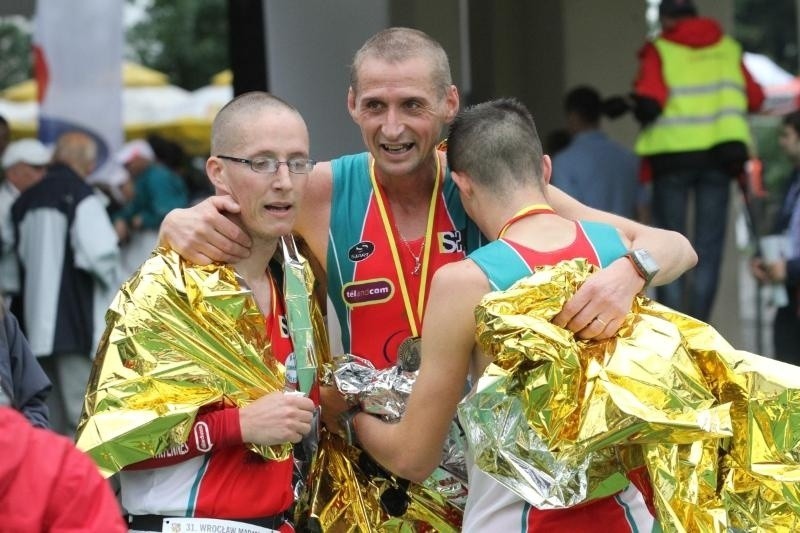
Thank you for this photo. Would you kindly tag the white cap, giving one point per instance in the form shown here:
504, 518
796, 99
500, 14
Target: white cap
135, 148
30, 151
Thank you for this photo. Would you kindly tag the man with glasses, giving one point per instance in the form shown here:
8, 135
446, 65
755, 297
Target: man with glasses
269, 165
260, 158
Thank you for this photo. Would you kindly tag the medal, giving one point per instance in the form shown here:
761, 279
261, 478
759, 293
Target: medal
410, 348
409, 354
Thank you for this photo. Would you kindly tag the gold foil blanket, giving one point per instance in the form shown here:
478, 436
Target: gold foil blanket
351, 493
561, 421
178, 337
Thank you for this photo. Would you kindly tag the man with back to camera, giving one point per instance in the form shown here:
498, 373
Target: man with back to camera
594, 169
691, 96
69, 263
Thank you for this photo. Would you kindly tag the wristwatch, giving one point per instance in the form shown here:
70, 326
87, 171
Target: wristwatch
644, 264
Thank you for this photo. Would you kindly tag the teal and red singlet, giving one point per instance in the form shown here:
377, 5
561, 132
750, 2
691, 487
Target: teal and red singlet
377, 299
491, 506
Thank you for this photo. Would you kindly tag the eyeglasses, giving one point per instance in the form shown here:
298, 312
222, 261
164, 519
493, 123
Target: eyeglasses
270, 165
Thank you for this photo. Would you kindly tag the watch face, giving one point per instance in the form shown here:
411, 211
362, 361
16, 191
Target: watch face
647, 262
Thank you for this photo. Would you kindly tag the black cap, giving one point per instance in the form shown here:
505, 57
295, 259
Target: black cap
676, 8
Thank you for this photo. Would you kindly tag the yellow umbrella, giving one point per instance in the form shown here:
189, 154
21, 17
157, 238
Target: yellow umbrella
223, 77
23, 91
133, 75
191, 131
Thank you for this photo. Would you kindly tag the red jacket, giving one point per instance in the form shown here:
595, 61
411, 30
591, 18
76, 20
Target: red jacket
47, 485
697, 32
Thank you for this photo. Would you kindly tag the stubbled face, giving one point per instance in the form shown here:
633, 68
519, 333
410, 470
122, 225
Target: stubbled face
400, 112
269, 202
790, 143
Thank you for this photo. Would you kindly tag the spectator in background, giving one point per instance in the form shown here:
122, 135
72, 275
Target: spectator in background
5, 135
786, 326
593, 169
69, 262
691, 96
157, 190
556, 141
47, 485
24, 163
173, 156
168, 153
21, 376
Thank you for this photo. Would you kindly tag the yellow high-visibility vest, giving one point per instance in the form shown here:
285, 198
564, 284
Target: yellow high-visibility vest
707, 101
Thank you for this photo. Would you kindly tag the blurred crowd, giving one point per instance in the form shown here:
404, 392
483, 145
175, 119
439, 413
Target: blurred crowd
70, 237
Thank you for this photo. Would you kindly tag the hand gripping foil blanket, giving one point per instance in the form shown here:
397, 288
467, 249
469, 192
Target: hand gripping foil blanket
560, 421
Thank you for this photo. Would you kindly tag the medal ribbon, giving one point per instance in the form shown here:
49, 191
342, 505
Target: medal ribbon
535, 209
414, 320
273, 304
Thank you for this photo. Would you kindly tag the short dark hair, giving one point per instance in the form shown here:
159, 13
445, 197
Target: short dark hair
394, 45
225, 125
497, 144
792, 120
585, 102
677, 8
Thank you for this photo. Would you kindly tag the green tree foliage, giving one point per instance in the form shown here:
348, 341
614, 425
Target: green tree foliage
15, 49
186, 39
769, 28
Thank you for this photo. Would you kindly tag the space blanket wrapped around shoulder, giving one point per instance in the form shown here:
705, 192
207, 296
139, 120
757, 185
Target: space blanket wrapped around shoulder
179, 337
561, 421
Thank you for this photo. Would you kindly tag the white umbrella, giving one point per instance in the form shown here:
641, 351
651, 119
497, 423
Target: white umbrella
782, 89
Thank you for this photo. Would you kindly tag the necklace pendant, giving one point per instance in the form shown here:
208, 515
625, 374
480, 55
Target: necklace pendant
417, 268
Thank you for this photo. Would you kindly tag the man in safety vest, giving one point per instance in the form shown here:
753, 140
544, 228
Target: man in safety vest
691, 96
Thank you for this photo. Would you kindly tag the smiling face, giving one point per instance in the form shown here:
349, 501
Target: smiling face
269, 202
401, 112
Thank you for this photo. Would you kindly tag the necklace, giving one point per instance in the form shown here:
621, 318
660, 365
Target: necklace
417, 257
414, 316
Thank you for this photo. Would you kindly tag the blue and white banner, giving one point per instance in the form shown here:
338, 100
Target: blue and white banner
78, 49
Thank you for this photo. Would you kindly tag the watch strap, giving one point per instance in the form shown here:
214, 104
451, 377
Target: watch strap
646, 274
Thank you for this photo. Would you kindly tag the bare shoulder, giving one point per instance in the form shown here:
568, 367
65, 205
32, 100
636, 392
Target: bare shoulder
462, 281
314, 216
